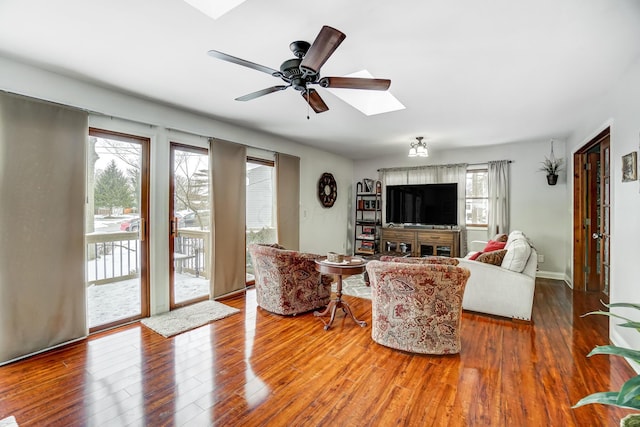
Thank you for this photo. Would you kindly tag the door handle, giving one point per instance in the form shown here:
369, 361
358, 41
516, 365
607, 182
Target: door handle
143, 229
596, 236
174, 226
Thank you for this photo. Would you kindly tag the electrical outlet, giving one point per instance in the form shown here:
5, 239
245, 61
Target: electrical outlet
540, 258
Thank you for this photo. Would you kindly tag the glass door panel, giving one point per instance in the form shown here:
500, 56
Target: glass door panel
116, 242
260, 206
190, 225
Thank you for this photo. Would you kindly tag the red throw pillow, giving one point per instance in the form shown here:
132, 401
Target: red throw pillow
492, 245
474, 256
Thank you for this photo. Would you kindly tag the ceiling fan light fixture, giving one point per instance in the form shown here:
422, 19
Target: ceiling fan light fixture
419, 149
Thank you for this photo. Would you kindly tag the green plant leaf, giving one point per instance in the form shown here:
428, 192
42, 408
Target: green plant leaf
629, 394
628, 322
603, 397
616, 351
623, 304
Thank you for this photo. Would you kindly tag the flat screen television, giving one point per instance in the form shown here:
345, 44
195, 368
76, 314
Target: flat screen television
422, 204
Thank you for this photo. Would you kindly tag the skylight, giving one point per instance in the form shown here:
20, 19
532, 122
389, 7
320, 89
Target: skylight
369, 102
214, 8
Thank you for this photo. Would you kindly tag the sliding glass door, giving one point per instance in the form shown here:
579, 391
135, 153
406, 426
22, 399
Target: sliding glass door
116, 228
190, 225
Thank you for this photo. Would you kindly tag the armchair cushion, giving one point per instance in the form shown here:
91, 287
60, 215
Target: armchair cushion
287, 281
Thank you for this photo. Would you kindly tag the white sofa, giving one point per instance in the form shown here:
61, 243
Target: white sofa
506, 290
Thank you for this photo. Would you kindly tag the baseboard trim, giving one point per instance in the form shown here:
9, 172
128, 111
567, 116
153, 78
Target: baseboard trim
550, 275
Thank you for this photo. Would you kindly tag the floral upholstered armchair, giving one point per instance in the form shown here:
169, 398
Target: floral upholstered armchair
286, 281
417, 307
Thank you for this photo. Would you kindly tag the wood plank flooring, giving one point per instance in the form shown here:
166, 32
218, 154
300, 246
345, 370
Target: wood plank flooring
261, 369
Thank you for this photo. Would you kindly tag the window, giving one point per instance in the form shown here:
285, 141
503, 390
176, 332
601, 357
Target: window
477, 198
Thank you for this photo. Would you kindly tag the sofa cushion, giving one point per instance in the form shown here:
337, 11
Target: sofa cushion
474, 255
500, 237
518, 252
492, 245
493, 257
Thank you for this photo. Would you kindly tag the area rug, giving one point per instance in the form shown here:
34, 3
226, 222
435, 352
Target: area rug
186, 318
8, 422
354, 286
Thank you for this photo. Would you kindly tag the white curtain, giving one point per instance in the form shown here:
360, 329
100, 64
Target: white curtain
498, 185
42, 194
438, 174
228, 162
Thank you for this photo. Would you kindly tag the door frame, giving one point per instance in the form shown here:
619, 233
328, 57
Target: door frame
581, 209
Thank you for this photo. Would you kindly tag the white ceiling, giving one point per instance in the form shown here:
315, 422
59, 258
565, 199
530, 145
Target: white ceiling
469, 72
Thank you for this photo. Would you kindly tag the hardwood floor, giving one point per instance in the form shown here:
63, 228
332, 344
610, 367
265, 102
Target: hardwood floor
257, 368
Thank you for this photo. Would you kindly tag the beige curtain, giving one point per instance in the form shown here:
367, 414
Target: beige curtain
288, 200
228, 194
42, 194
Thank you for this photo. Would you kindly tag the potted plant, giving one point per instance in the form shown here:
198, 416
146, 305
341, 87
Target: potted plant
552, 167
629, 394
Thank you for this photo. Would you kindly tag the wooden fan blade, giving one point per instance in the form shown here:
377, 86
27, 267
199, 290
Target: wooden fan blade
315, 101
323, 46
260, 93
244, 63
354, 83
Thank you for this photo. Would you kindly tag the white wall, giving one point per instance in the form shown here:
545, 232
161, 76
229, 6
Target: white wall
619, 109
321, 229
539, 210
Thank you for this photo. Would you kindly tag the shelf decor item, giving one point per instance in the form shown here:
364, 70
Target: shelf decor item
552, 166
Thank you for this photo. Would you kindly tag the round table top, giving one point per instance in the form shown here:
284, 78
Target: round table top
350, 265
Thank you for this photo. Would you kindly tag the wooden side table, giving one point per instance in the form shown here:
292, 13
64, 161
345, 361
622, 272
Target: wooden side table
350, 267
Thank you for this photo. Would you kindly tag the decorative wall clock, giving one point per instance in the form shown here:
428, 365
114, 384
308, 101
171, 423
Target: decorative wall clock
327, 190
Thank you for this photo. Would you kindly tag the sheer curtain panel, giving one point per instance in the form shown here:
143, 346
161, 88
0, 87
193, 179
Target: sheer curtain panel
436, 174
228, 193
498, 186
42, 193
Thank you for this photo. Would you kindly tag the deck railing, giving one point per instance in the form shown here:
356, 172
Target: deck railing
113, 257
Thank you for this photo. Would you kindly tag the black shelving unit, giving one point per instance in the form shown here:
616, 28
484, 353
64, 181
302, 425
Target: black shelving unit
368, 220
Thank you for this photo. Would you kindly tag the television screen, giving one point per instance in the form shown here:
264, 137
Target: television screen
422, 204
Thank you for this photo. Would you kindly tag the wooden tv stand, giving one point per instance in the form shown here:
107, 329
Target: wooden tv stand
421, 241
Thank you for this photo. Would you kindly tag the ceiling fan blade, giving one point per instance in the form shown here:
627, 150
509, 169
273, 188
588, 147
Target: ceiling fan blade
315, 101
354, 83
244, 63
323, 46
260, 93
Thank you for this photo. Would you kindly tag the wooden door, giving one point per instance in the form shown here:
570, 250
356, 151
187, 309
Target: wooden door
592, 211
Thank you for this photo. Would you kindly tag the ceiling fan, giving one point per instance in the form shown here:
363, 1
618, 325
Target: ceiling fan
304, 70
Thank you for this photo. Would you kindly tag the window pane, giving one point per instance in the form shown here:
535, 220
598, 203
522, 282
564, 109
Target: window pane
477, 197
477, 184
476, 211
